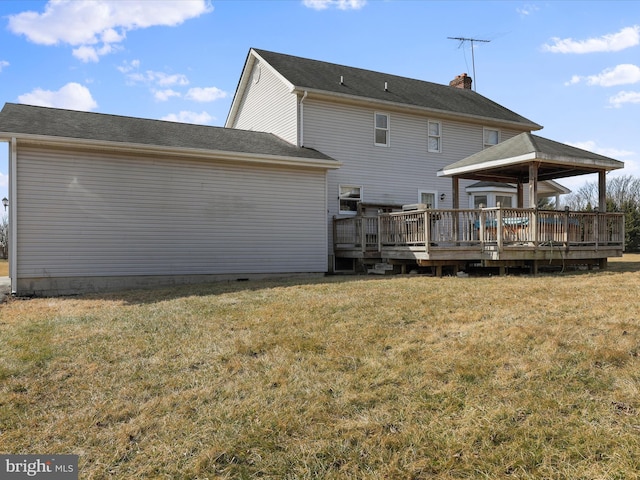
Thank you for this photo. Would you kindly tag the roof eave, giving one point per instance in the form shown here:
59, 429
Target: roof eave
591, 164
200, 153
354, 99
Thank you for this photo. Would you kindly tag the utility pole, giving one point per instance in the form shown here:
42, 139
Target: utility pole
473, 59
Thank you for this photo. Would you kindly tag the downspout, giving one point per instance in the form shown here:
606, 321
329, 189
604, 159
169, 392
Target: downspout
13, 217
301, 136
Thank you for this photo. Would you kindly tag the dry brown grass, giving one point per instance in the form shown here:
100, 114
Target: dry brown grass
4, 268
395, 377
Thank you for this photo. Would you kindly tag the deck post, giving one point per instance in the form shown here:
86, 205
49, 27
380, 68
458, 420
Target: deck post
566, 228
427, 231
499, 229
363, 235
596, 227
481, 227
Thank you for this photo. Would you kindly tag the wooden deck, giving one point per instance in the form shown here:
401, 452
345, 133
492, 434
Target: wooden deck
488, 237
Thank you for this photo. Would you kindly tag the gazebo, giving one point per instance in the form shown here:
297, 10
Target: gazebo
527, 159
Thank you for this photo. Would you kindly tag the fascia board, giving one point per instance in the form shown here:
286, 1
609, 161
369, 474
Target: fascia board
491, 189
591, 164
217, 155
487, 165
403, 107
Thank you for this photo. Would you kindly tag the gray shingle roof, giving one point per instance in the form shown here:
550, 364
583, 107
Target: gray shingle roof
70, 124
510, 159
310, 74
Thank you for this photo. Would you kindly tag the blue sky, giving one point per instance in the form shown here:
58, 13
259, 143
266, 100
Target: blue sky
573, 67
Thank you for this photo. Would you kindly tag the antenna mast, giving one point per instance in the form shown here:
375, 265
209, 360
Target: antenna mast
473, 59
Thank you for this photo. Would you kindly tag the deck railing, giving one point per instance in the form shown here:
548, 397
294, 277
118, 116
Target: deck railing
498, 227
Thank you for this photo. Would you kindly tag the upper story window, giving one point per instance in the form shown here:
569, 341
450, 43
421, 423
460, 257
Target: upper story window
382, 129
350, 196
434, 142
491, 137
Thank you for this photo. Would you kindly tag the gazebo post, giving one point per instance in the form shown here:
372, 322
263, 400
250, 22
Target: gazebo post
602, 191
520, 194
455, 188
533, 184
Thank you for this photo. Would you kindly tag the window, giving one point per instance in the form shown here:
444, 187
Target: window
382, 129
428, 197
491, 137
434, 140
505, 201
350, 196
479, 200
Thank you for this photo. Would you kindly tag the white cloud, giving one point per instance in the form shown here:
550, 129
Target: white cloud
619, 75
623, 74
624, 97
339, 4
127, 67
202, 118
527, 9
4, 180
208, 94
87, 53
157, 78
85, 23
164, 95
614, 42
72, 96
3, 64
592, 146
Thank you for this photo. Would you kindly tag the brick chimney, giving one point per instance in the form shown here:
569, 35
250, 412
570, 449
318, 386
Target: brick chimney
461, 81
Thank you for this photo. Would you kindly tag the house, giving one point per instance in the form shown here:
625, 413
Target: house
394, 137
320, 167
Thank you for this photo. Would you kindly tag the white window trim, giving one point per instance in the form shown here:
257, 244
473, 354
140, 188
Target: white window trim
484, 130
348, 185
435, 197
439, 136
376, 128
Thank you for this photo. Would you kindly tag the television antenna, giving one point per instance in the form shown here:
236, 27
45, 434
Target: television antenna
462, 40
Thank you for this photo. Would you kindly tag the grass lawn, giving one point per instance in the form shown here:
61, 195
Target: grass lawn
404, 377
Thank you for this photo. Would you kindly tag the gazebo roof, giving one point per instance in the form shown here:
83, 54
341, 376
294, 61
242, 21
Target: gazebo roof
509, 161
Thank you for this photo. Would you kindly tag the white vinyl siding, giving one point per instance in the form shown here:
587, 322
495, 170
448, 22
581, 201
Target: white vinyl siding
393, 175
89, 214
268, 106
